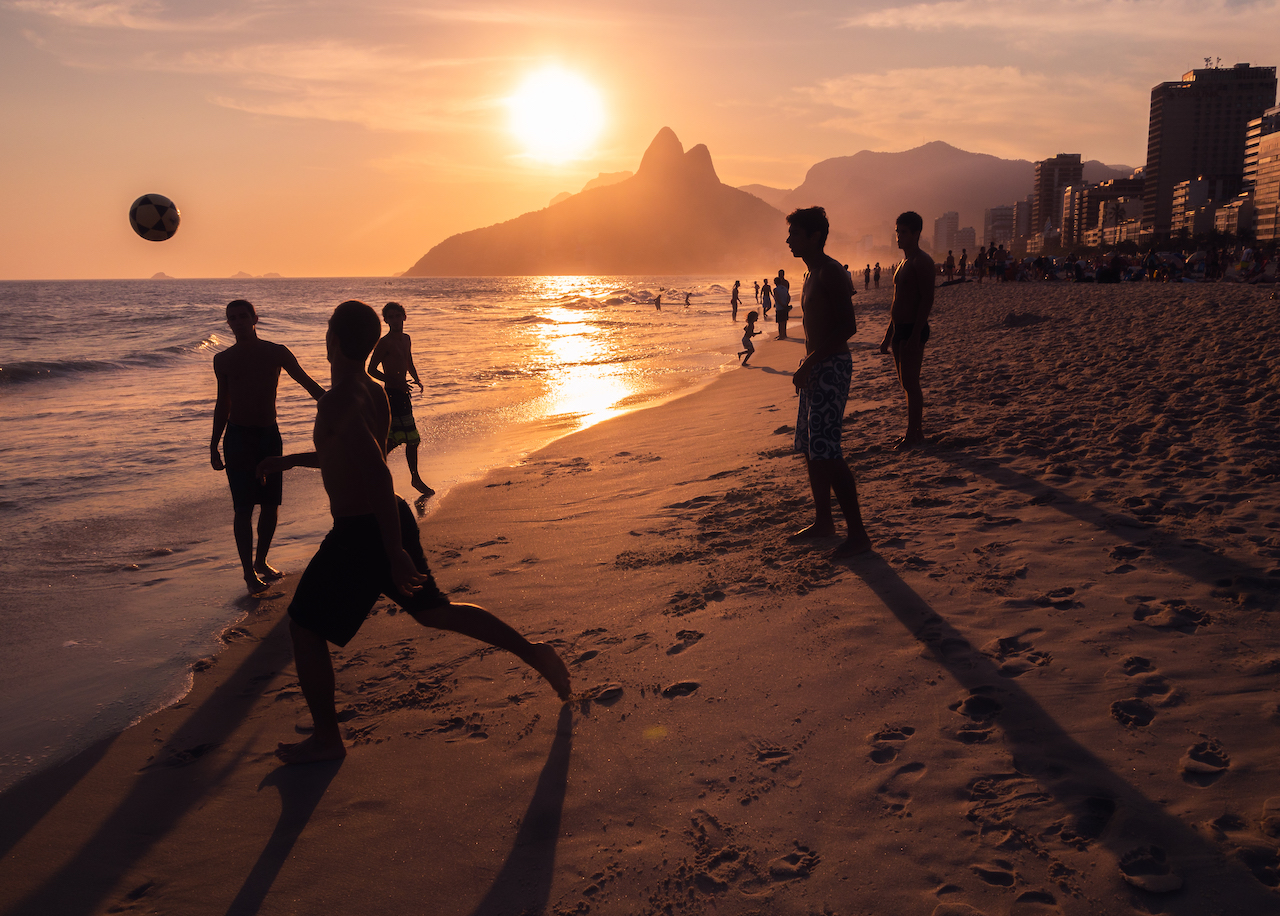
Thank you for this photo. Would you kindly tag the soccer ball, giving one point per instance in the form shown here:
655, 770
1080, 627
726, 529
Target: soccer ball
154, 217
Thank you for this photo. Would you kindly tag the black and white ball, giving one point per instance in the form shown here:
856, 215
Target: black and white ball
154, 217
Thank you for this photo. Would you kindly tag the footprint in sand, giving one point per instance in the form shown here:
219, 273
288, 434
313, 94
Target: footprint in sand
1015, 655
1136, 664
1270, 822
797, 864
1147, 868
1172, 614
1133, 712
1203, 764
897, 788
680, 689
884, 743
687, 638
1034, 903
998, 872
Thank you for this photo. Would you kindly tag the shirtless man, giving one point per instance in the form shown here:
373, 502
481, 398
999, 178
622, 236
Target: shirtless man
248, 373
908, 329
394, 353
822, 380
373, 548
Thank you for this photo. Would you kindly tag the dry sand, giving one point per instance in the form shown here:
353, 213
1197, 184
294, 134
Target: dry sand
1054, 688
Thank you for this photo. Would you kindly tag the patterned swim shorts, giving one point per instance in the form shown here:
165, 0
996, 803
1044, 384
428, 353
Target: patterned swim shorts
403, 430
820, 419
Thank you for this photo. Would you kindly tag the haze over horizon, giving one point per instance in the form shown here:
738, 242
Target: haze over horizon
348, 140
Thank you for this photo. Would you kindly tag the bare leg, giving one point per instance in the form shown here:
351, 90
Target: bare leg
474, 621
242, 527
846, 490
267, 517
908, 361
820, 484
411, 456
315, 677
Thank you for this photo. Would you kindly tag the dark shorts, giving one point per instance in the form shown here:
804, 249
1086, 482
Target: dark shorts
902, 331
242, 448
350, 572
820, 419
403, 430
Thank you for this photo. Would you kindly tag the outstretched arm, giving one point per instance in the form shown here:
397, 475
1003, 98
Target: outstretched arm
299, 375
278, 464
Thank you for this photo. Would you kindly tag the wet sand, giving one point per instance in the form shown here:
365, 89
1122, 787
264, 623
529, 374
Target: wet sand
1053, 688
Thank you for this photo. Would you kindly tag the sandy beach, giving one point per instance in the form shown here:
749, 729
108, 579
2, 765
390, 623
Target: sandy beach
1054, 687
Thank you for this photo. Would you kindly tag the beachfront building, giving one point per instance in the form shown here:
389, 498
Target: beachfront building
1052, 177
1266, 190
944, 232
1022, 224
1236, 217
966, 238
1258, 128
998, 225
1197, 128
1194, 206
1118, 220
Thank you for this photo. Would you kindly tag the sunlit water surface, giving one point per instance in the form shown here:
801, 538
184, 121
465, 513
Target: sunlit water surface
119, 568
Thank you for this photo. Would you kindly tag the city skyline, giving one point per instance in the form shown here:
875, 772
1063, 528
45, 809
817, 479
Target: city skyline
349, 140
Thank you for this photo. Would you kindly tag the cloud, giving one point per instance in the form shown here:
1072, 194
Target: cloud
131, 15
1001, 110
1051, 20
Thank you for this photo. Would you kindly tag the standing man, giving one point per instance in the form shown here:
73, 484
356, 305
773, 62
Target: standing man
822, 380
394, 353
248, 373
908, 329
374, 547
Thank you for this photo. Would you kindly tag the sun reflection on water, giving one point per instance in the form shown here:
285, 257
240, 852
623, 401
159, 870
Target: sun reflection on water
586, 381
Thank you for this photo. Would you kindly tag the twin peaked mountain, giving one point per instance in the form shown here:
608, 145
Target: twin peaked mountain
673, 216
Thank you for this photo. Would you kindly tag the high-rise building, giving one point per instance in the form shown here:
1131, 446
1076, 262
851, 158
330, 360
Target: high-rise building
1266, 189
998, 226
1052, 175
1258, 128
966, 238
1197, 128
944, 232
1094, 197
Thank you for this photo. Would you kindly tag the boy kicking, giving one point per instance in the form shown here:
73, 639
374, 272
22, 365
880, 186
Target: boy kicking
373, 548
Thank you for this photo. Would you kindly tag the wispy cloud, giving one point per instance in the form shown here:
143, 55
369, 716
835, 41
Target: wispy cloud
1002, 110
1050, 20
131, 15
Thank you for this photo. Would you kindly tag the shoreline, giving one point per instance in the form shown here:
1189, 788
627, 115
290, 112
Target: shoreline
1053, 688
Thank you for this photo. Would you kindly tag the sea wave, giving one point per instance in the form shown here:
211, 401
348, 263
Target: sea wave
29, 371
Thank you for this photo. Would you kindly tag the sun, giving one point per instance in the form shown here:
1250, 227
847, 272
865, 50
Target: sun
556, 115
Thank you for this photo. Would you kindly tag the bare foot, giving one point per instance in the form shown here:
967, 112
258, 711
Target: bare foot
310, 750
266, 572
256, 586
853, 547
423, 488
549, 664
814, 531
906, 443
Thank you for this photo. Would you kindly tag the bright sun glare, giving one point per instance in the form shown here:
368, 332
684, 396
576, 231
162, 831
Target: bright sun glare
557, 115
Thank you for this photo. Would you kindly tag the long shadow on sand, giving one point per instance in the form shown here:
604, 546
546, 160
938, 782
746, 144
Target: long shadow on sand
523, 885
301, 789
1191, 558
162, 794
1103, 807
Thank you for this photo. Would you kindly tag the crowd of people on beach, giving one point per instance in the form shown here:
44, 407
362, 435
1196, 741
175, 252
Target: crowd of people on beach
1242, 263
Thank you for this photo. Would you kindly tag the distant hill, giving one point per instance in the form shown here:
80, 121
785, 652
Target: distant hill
161, 276
864, 193
674, 216
603, 180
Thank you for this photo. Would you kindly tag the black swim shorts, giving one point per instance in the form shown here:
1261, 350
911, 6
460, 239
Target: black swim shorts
243, 447
350, 572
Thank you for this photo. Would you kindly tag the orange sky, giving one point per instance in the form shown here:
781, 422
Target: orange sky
348, 138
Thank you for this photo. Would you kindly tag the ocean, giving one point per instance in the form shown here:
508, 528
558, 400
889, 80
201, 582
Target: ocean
119, 569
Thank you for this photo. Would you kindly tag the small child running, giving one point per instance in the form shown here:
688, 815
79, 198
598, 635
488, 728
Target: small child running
749, 331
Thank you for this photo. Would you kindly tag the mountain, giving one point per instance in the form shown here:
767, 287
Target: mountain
864, 193
603, 180
673, 216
